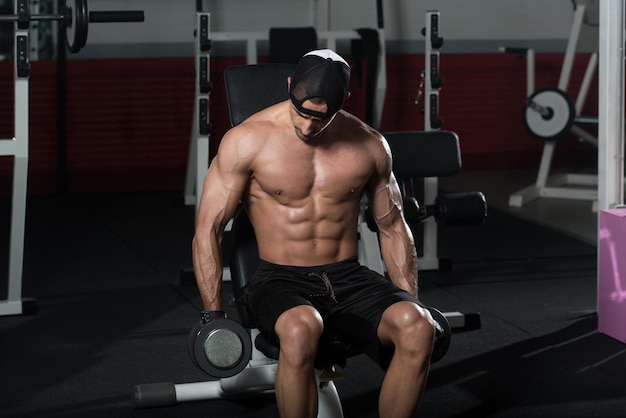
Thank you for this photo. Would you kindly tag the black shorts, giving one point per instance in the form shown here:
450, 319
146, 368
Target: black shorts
350, 298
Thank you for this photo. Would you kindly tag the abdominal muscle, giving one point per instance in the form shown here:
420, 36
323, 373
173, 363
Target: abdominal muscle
310, 232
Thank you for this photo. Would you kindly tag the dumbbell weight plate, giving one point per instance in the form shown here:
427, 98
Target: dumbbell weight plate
221, 348
191, 344
558, 117
442, 342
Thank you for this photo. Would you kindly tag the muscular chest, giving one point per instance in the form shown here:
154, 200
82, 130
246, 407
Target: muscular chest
291, 173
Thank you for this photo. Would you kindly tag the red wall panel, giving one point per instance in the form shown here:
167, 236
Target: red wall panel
129, 120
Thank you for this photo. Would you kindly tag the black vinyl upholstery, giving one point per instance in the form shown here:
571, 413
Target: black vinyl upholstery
244, 260
419, 154
250, 88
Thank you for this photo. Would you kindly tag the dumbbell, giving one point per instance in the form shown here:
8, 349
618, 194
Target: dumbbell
450, 209
443, 334
219, 346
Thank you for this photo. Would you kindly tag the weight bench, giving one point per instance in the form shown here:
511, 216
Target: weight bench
235, 353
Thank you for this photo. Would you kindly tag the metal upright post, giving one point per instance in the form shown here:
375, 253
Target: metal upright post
196, 166
203, 91
429, 259
611, 277
18, 147
611, 105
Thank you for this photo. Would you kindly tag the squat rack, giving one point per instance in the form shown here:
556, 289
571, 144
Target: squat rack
75, 20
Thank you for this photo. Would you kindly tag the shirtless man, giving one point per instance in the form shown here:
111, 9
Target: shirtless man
300, 168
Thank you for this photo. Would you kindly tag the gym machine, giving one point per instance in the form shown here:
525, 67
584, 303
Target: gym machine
550, 113
75, 20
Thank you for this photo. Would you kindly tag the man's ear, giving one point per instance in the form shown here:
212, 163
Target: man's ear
347, 95
288, 83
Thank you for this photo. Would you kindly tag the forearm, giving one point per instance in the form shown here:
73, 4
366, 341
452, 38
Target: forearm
208, 268
400, 258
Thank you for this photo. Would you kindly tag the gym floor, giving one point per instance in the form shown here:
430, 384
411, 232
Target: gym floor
112, 312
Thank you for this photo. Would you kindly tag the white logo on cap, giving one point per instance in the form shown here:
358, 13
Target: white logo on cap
326, 54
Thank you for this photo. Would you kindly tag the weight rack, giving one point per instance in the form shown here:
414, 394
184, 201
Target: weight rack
75, 21
18, 148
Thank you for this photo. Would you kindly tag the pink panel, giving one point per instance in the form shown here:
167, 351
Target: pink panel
612, 274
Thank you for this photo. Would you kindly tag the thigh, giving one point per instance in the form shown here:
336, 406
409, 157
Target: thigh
272, 292
362, 303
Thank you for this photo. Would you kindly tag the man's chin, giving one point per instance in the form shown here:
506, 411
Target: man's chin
304, 137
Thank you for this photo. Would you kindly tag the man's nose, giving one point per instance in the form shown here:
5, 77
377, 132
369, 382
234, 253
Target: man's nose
307, 127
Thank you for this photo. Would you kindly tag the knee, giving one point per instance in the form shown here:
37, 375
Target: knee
298, 330
410, 328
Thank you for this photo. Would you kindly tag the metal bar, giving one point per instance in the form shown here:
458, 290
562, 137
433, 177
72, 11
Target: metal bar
530, 72
586, 83
13, 304
7, 146
611, 105
116, 16
429, 259
572, 44
61, 106
15, 18
94, 17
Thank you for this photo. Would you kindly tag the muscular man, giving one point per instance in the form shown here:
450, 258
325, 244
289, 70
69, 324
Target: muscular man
300, 168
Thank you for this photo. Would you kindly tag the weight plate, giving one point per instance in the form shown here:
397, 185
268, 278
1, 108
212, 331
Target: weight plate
221, 348
76, 25
192, 342
444, 335
549, 113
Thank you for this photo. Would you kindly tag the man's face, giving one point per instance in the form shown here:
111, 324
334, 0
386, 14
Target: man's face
308, 127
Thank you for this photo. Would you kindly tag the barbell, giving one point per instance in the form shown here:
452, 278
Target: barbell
75, 20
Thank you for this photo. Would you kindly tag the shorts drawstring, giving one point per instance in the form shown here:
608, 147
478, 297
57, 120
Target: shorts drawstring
330, 291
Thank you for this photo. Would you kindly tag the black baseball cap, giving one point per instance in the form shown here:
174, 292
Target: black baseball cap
321, 73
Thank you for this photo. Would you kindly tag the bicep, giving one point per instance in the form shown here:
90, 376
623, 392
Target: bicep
385, 201
384, 193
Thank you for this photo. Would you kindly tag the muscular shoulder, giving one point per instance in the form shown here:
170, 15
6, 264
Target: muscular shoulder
360, 130
368, 138
252, 133
249, 137
246, 137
